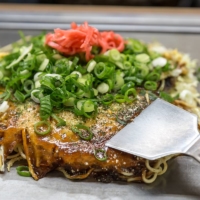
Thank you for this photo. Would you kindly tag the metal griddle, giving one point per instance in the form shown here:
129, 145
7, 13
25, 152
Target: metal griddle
182, 179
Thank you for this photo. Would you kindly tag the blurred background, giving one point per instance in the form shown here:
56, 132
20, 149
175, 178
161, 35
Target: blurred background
168, 3
175, 23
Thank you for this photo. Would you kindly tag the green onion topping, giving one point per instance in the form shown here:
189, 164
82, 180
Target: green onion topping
83, 131
42, 128
100, 154
23, 171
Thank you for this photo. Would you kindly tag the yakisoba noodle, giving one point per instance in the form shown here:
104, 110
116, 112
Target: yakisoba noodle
184, 84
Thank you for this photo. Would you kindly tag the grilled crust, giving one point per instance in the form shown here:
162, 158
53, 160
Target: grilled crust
64, 148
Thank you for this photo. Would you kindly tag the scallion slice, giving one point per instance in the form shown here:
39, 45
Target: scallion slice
102, 70
19, 96
24, 52
142, 58
78, 73
150, 85
107, 99
28, 86
60, 122
119, 98
129, 92
45, 107
114, 55
119, 81
83, 131
90, 66
153, 76
6, 95
127, 86
23, 171
44, 64
42, 127
69, 101
86, 105
100, 154
127, 65
103, 88
166, 97
36, 95
136, 80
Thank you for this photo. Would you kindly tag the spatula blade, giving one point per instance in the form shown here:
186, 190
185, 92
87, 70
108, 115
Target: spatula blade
161, 129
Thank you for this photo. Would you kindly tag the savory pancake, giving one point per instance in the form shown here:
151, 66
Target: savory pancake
57, 111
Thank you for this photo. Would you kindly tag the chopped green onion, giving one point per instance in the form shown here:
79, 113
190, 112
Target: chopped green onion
119, 98
37, 84
128, 93
153, 76
127, 65
24, 72
69, 101
5, 95
135, 45
56, 76
24, 52
90, 66
150, 85
74, 62
42, 127
86, 105
96, 50
82, 80
44, 64
83, 131
80, 104
141, 70
57, 56
95, 92
78, 73
63, 67
23, 171
130, 58
60, 122
136, 80
102, 70
127, 86
36, 95
167, 97
28, 86
45, 107
143, 58
19, 96
57, 97
103, 88
100, 154
107, 99
114, 55
48, 82
110, 83
119, 81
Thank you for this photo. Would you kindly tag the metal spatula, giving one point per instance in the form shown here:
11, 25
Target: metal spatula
161, 129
